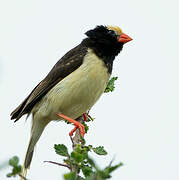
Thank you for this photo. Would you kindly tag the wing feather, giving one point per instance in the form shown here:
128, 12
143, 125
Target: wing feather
66, 65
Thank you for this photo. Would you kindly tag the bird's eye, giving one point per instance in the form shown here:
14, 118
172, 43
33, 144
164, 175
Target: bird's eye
111, 32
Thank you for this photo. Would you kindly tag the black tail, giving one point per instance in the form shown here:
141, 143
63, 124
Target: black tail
18, 112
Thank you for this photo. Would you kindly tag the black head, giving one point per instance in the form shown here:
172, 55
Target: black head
106, 41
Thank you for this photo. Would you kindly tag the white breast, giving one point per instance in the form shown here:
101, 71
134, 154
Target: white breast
76, 93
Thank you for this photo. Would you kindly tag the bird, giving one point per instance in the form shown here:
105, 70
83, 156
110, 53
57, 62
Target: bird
73, 85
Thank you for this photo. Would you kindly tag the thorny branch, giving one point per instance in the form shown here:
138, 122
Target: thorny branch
76, 139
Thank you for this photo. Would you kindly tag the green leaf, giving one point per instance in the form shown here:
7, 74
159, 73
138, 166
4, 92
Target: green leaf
61, 149
70, 176
14, 161
83, 142
112, 168
86, 127
17, 169
77, 156
9, 175
106, 173
78, 148
80, 178
87, 148
86, 170
110, 85
100, 150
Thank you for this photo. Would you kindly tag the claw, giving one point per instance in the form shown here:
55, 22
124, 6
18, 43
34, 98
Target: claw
73, 130
76, 123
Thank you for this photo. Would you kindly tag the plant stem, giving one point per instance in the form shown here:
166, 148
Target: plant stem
59, 164
76, 140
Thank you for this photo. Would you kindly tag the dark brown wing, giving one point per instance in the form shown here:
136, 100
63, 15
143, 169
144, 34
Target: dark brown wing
66, 65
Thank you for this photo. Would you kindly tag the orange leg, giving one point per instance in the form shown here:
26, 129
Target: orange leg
85, 116
75, 128
76, 123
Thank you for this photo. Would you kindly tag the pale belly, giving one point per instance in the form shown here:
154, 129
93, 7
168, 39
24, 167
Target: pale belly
76, 93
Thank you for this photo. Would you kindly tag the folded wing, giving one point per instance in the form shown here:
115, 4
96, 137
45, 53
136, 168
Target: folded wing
66, 65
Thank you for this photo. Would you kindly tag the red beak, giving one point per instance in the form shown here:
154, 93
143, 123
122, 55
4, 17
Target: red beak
124, 38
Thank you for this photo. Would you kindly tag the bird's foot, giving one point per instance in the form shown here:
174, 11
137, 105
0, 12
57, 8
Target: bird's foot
75, 128
77, 124
85, 116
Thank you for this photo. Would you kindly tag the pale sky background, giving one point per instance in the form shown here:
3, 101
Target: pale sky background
138, 124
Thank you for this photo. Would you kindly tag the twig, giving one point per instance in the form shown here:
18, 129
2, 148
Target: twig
22, 177
77, 138
59, 164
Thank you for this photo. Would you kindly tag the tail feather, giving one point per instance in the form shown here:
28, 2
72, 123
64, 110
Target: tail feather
17, 113
26, 165
28, 159
36, 131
